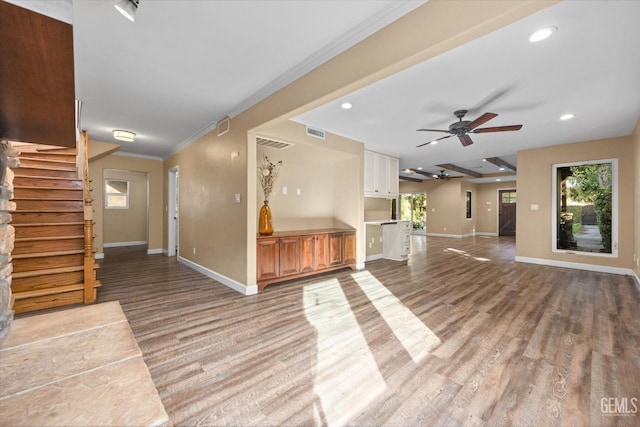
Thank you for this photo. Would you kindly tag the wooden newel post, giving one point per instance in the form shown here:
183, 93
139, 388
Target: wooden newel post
89, 259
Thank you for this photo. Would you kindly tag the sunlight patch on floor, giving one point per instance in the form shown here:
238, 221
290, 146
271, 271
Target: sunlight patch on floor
465, 254
347, 376
417, 339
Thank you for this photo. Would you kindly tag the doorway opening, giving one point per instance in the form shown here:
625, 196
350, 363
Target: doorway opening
507, 200
413, 207
173, 213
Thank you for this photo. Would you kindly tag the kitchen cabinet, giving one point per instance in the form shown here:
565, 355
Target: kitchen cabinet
293, 254
380, 175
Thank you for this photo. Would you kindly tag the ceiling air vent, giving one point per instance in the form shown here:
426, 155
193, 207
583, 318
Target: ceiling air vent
272, 143
318, 133
223, 126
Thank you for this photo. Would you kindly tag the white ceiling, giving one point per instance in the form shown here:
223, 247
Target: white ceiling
589, 67
183, 65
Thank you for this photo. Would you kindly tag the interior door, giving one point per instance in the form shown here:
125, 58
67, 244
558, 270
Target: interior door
507, 212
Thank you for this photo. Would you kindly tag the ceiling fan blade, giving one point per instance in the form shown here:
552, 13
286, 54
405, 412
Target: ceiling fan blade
465, 140
433, 130
433, 140
497, 129
481, 120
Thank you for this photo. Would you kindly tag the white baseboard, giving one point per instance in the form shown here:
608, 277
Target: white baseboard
236, 286
373, 257
454, 236
577, 265
636, 279
99, 255
480, 233
154, 251
122, 244
360, 266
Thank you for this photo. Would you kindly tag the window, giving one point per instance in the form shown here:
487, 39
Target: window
509, 197
116, 194
468, 204
584, 210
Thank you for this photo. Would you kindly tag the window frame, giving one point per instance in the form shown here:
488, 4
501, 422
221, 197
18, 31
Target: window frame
614, 208
468, 204
107, 194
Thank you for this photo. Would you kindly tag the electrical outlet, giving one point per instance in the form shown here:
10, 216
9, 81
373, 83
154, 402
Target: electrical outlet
284, 190
194, 251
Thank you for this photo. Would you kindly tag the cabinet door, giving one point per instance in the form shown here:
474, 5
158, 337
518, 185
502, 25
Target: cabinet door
349, 248
381, 173
268, 258
289, 256
369, 172
321, 244
307, 253
335, 249
393, 180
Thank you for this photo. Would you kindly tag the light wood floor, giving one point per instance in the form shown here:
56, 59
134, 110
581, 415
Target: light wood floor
459, 335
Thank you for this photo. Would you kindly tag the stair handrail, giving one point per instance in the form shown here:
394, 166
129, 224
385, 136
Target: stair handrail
89, 253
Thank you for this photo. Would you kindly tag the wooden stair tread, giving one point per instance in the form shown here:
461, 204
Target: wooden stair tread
44, 159
47, 254
47, 177
47, 224
47, 291
32, 239
48, 211
51, 199
42, 187
53, 168
57, 270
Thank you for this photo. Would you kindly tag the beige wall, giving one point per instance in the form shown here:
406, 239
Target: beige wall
636, 197
127, 225
224, 232
327, 172
533, 228
156, 188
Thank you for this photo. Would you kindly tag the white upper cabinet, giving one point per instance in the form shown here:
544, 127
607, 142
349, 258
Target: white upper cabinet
380, 175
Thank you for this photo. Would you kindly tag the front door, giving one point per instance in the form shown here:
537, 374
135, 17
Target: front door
507, 212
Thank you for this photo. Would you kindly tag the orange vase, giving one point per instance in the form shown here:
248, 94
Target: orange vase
264, 220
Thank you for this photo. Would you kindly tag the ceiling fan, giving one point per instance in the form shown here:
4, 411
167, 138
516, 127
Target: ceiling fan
462, 127
441, 175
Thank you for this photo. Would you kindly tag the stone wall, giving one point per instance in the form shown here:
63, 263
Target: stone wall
8, 160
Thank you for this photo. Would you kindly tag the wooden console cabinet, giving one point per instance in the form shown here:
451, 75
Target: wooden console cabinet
293, 254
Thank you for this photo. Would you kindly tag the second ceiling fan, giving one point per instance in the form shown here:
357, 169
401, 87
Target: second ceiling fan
463, 127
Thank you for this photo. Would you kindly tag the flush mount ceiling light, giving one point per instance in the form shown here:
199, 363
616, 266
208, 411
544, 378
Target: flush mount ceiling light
567, 116
124, 135
542, 34
346, 105
127, 8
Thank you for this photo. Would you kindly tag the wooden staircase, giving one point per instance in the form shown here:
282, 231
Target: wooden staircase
53, 256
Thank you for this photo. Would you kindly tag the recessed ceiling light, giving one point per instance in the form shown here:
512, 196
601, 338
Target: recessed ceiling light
124, 135
434, 142
346, 105
497, 179
542, 34
568, 116
484, 160
501, 169
419, 169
